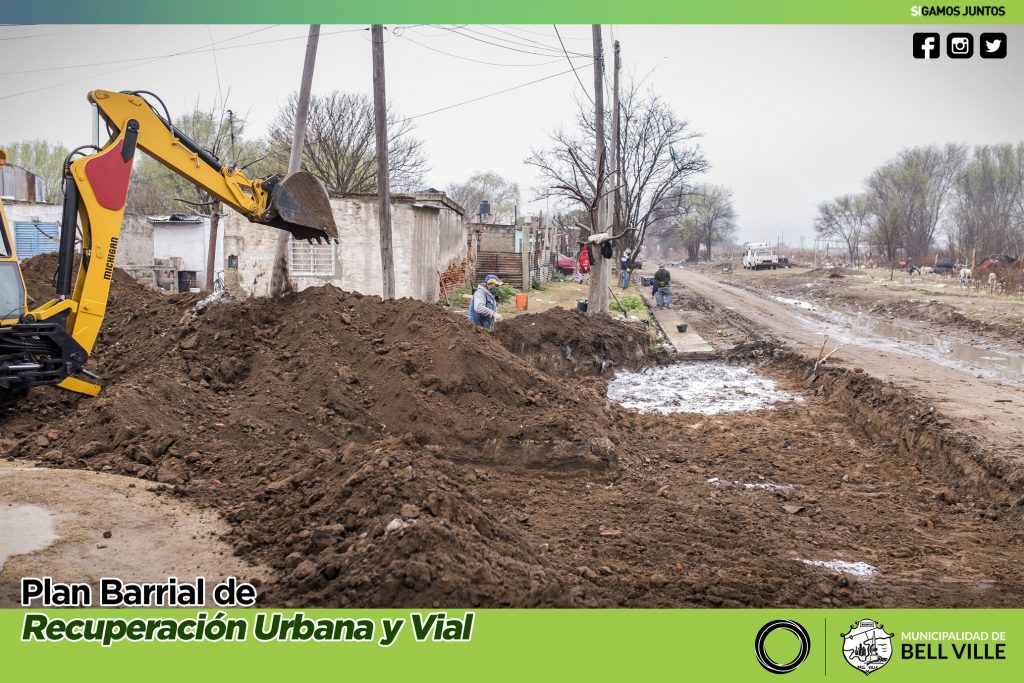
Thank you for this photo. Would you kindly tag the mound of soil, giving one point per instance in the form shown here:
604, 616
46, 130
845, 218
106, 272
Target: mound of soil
830, 273
326, 427
563, 342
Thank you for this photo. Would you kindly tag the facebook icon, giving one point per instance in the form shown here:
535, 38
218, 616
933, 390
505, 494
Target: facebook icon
926, 46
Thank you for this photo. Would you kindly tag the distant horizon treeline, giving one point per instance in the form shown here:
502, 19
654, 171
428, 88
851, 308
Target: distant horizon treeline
963, 200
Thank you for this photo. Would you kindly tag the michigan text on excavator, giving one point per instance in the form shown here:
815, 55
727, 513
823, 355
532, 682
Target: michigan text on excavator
50, 345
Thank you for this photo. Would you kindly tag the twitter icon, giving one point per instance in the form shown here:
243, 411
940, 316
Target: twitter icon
993, 45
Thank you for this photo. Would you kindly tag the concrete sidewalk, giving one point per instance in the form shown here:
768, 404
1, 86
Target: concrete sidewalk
687, 344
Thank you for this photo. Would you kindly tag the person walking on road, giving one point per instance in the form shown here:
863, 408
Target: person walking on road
483, 307
662, 283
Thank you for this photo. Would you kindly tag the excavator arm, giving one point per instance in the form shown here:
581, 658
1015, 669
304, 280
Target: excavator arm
51, 344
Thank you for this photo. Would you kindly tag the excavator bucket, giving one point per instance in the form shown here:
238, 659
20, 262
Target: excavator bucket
299, 204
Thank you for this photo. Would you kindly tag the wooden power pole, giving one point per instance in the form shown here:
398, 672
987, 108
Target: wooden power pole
616, 145
597, 296
524, 248
211, 246
380, 119
279, 283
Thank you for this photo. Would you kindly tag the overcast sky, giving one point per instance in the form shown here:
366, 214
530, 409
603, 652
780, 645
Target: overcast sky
790, 115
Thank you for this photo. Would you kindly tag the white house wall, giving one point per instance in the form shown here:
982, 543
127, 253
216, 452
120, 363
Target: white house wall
425, 241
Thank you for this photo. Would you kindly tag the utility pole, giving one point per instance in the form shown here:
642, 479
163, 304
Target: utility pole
279, 283
211, 246
524, 248
597, 296
380, 120
616, 144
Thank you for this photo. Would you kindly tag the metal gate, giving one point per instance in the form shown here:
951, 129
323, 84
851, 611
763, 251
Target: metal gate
31, 239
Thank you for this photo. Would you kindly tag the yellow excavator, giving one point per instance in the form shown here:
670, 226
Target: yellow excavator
50, 345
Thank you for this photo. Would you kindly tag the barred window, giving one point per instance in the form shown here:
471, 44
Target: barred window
311, 258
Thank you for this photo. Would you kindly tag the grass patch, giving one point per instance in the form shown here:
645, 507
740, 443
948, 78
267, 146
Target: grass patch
626, 303
454, 298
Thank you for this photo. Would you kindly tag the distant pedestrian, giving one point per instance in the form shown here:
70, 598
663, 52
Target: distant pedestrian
483, 307
624, 264
662, 284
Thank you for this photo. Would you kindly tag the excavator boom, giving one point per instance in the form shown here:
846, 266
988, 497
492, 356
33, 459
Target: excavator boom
51, 344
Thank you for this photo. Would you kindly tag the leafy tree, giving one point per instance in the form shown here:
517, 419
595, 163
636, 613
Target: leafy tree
710, 219
45, 159
156, 189
844, 218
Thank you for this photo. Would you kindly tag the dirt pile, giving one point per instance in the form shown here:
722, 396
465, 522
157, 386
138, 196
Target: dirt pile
563, 342
333, 431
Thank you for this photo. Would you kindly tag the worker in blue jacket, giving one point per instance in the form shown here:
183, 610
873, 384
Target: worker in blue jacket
483, 307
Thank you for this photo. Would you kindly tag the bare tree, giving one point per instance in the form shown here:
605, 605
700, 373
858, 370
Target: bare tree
658, 159
657, 156
503, 195
928, 174
889, 205
340, 143
569, 168
988, 214
844, 218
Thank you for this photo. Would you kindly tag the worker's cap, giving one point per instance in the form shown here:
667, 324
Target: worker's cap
493, 280
661, 264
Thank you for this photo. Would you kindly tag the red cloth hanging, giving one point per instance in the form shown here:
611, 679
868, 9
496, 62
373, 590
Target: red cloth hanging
584, 261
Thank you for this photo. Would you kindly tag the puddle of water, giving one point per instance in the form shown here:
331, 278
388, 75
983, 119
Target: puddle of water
762, 486
24, 529
794, 302
877, 334
861, 570
707, 388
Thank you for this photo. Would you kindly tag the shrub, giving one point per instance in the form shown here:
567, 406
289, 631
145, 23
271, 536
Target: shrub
505, 293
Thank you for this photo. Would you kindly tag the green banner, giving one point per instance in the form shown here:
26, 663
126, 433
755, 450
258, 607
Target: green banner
520, 645
525, 11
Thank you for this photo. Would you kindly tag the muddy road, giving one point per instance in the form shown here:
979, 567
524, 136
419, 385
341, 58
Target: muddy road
981, 390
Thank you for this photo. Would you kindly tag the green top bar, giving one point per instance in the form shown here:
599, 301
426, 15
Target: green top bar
520, 11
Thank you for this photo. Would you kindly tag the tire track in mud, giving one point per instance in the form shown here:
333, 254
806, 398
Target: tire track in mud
982, 410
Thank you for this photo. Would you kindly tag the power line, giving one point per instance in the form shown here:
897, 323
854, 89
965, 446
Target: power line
575, 73
216, 67
529, 43
470, 59
194, 51
493, 44
60, 33
131, 66
493, 94
536, 46
538, 33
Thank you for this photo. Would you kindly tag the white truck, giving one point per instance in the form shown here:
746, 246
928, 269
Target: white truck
760, 255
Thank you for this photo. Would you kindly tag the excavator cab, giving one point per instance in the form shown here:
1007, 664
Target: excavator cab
13, 302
